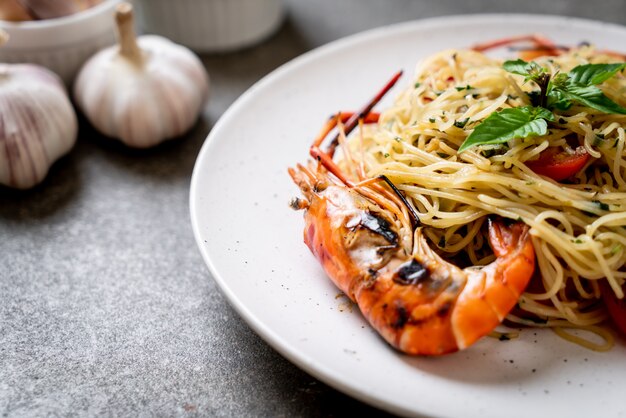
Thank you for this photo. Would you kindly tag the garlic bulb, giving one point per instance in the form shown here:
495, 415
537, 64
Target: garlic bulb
143, 91
37, 123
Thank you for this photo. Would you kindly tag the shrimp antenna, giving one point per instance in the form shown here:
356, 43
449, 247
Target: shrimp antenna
361, 114
537, 41
326, 158
415, 220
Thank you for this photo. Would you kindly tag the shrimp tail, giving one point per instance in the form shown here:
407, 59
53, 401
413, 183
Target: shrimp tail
491, 292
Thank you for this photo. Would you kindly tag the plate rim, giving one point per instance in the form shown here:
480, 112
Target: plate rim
283, 347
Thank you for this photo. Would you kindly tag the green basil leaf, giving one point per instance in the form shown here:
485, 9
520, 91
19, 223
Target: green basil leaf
592, 96
559, 80
530, 70
540, 112
557, 100
592, 74
518, 66
500, 127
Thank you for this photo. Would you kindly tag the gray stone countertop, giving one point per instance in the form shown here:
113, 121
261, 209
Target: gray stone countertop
106, 307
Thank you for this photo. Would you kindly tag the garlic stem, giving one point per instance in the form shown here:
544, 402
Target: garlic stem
126, 33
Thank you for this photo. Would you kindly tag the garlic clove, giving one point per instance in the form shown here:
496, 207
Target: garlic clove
145, 90
12, 10
37, 123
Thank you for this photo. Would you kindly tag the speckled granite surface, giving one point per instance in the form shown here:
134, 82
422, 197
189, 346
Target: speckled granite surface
106, 307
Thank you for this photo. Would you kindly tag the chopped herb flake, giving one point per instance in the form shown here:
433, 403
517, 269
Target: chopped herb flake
598, 140
461, 123
488, 152
601, 205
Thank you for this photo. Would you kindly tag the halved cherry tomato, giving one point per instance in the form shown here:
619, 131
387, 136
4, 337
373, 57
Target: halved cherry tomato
616, 307
558, 164
534, 53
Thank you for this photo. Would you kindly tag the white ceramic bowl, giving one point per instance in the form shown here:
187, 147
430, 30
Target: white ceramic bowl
211, 25
61, 44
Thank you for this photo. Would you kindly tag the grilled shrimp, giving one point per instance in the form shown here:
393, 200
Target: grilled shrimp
418, 302
367, 239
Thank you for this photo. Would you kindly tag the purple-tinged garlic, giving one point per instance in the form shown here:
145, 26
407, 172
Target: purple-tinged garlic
13, 11
143, 91
37, 123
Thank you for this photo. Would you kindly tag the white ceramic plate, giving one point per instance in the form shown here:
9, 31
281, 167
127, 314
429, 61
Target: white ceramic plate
252, 241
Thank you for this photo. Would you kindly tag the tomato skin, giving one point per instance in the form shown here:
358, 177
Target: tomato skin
532, 54
615, 306
557, 164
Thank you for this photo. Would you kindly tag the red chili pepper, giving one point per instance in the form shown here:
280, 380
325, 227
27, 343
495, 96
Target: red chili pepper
615, 306
558, 164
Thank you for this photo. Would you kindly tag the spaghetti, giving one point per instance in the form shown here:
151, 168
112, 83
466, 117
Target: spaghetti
577, 224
